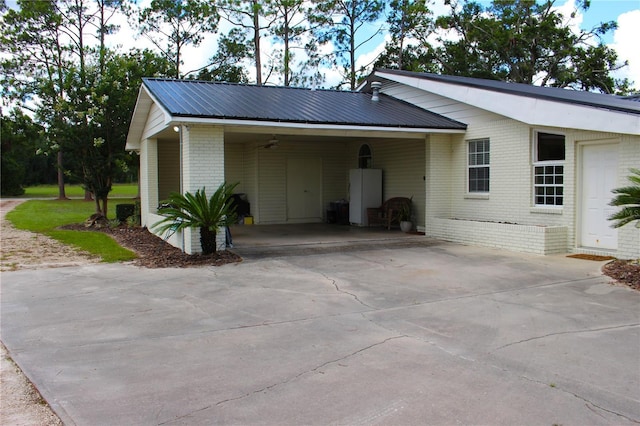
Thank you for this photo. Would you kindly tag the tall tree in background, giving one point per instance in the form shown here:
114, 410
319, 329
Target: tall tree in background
410, 27
226, 64
343, 22
252, 17
171, 25
80, 96
35, 69
106, 11
291, 23
528, 42
20, 140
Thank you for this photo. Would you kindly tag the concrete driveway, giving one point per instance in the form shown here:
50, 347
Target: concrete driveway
439, 334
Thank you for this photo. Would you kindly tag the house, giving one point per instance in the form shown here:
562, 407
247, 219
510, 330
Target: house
490, 163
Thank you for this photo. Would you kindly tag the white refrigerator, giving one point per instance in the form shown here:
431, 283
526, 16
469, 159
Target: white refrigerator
365, 190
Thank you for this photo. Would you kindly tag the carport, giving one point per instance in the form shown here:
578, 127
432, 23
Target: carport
289, 149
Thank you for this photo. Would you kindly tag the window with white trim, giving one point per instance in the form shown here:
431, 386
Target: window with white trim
548, 169
478, 167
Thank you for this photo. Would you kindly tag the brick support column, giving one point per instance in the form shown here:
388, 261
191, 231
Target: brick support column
148, 179
202, 166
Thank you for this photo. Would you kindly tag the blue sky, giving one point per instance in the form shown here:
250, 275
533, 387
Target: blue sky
607, 10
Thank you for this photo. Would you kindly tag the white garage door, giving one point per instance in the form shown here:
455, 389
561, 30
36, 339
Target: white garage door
599, 177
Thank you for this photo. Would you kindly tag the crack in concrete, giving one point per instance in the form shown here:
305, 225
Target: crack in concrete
465, 358
339, 290
312, 370
588, 330
283, 382
575, 395
184, 416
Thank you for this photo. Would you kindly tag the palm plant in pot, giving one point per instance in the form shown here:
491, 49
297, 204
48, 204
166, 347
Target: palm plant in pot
404, 216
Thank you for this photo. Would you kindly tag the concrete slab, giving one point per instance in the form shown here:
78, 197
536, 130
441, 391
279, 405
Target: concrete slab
426, 334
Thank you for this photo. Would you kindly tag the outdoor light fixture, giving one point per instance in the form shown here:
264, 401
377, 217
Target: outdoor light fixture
176, 129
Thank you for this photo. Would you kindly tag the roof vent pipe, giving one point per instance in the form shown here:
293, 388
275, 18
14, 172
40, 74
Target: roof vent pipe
375, 86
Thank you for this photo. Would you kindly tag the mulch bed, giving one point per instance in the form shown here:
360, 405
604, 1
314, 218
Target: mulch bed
591, 257
154, 252
626, 272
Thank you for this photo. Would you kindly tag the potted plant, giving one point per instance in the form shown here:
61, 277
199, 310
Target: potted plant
404, 215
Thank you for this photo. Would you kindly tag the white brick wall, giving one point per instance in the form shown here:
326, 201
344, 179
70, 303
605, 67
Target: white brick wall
510, 199
148, 180
523, 238
202, 166
628, 235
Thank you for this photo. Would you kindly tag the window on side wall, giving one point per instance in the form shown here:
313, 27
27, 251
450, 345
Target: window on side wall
478, 166
364, 157
548, 169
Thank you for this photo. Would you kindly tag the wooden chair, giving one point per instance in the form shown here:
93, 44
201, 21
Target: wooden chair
388, 213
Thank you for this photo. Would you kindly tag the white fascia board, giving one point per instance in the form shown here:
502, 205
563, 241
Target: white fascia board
138, 120
533, 111
166, 121
255, 126
138, 127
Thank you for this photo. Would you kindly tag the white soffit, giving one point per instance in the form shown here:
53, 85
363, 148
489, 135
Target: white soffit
533, 111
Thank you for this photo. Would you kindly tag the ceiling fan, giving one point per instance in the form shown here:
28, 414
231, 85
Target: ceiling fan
272, 144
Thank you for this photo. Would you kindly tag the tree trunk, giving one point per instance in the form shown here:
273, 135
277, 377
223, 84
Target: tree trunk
207, 240
256, 44
105, 200
61, 193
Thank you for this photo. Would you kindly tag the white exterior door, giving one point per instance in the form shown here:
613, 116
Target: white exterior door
304, 190
599, 177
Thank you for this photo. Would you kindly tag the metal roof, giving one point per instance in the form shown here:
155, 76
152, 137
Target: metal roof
203, 99
596, 100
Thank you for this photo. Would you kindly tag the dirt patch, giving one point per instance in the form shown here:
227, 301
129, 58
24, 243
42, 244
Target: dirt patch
21, 402
28, 250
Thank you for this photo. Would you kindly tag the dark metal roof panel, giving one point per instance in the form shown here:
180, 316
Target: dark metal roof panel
192, 98
596, 100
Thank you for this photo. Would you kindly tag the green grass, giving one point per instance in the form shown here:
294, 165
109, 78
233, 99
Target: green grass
45, 216
119, 190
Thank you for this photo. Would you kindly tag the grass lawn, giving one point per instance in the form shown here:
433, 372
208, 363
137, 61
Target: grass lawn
44, 216
119, 190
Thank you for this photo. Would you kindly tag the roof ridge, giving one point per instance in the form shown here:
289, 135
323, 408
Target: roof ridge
226, 83
557, 94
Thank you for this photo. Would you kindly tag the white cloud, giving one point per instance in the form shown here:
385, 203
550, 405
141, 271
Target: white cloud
625, 43
566, 10
367, 59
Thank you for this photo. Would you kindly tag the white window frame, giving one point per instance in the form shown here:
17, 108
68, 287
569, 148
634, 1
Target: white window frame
550, 171
478, 166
